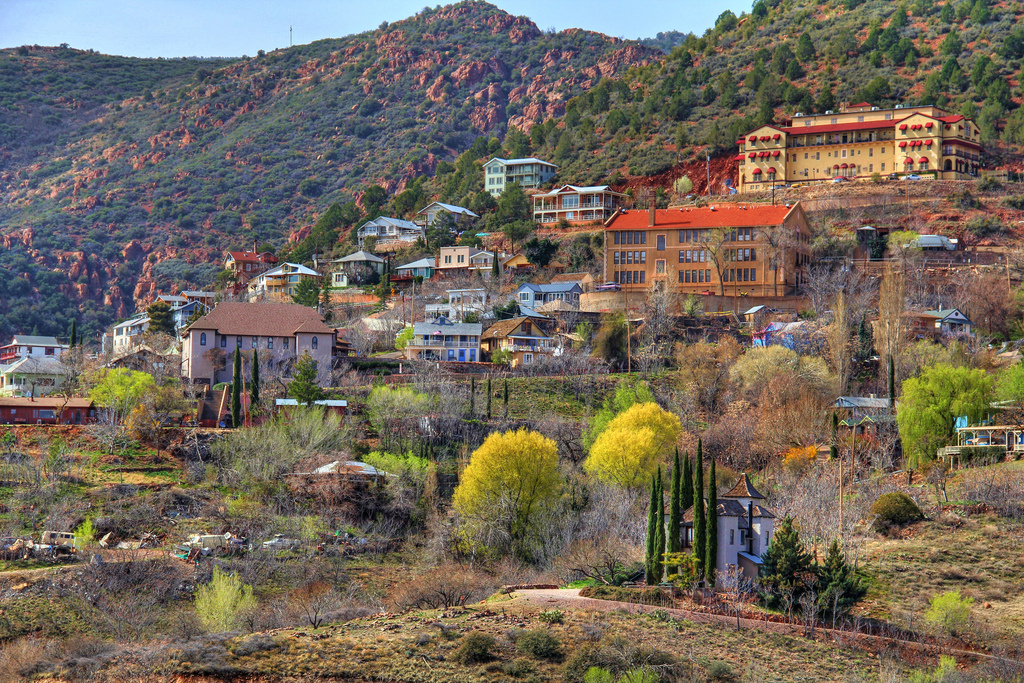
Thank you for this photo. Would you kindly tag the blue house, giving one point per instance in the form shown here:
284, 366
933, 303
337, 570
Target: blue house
531, 295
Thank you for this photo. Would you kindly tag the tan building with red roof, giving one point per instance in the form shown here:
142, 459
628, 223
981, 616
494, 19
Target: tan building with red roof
280, 331
856, 142
729, 249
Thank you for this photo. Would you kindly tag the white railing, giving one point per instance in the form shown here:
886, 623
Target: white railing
443, 344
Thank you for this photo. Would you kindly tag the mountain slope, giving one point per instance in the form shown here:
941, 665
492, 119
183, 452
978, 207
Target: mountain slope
145, 193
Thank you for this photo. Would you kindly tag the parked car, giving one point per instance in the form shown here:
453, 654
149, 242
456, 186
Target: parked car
281, 542
911, 176
840, 179
894, 176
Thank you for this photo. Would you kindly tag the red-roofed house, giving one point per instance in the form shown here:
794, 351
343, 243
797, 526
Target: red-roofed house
728, 249
280, 331
858, 141
248, 264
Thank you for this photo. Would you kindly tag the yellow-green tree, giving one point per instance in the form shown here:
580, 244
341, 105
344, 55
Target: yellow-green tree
511, 479
222, 604
628, 451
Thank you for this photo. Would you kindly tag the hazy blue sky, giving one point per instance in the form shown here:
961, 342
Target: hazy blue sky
231, 28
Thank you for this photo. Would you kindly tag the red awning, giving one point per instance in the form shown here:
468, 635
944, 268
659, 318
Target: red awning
903, 127
775, 153
776, 136
903, 144
771, 169
923, 160
752, 138
844, 166
927, 143
908, 160
836, 166
756, 171
929, 124
752, 155
740, 141
739, 158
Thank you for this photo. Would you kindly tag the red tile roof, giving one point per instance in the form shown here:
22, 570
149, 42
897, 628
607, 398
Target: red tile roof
262, 320
722, 216
840, 127
265, 257
861, 104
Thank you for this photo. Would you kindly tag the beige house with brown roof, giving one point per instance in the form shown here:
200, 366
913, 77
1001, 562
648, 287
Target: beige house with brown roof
586, 280
280, 331
519, 336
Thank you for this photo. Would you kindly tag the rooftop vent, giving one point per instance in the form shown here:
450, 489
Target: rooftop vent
799, 113
828, 111
874, 108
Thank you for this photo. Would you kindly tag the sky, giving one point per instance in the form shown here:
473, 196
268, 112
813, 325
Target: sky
232, 28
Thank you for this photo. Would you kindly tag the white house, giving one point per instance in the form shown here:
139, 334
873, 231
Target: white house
356, 268
388, 230
745, 528
430, 212
280, 283
460, 302
575, 204
529, 173
24, 345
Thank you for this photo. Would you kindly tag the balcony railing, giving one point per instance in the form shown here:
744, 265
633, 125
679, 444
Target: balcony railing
445, 344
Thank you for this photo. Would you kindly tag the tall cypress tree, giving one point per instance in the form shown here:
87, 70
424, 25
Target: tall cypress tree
254, 381
833, 448
674, 509
652, 534
699, 515
659, 540
686, 490
711, 559
506, 399
236, 392
495, 268
892, 386
488, 399
74, 334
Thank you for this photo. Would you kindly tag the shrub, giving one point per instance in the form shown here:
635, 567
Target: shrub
895, 509
987, 183
949, 611
1015, 202
222, 603
552, 616
475, 648
518, 668
985, 226
719, 670
539, 644
443, 587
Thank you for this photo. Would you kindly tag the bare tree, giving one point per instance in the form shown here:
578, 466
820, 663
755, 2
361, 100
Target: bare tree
314, 601
839, 335
891, 331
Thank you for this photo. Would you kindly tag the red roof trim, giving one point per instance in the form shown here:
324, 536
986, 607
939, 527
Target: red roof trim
861, 104
838, 127
723, 215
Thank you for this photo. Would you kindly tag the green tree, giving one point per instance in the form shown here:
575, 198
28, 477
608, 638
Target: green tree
236, 391
786, 566
73, 338
517, 231
372, 201
675, 517
161, 320
629, 450
650, 568
839, 587
307, 292
85, 534
949, 611
826, 99
699, 515
626, 395
953, 45
539, 252
325, 297
805, 51
121, 388
222, 604
686, 488
254, 380
304, 387
511, 479
495, 266
931, 403
711, 558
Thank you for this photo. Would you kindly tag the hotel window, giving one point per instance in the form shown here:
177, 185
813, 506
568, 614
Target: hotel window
860, 119
871, 167
883, 165
661, 243
202, 339
817, 156
888, 117
629, 238
315, 342
707, 276
805, 155
753, 274
615, 258
659, 266
643, 276
844, 154
835, 121
871, 151
682, 275
270, 342
629, 257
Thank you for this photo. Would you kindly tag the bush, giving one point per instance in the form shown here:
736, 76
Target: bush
539, 644
895, 509
949, 611
985, 226
1015, 202
518, 668
719, 670
987, 183
552, 616
475, 648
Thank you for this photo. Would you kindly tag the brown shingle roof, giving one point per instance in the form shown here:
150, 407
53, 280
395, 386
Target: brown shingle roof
502, 328
742, 489
571, 277
262, 319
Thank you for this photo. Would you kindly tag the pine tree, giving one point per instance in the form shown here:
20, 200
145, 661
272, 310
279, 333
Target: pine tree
652, 534
711, 530
304, 387
495, 268
254, 381
833, 448
659, 539
699, 515
674, 510
325, 297
839, 587
74, 334
488, 399
236, 392
785, 565
686, 490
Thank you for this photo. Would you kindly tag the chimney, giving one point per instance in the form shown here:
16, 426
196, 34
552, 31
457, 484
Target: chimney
650, 212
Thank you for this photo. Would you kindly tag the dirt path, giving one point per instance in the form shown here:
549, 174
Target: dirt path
570, 599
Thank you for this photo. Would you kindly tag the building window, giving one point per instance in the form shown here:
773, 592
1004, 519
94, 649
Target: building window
616, 237
284, 343
202, 339
238, 342
732, 536
314, 343
223, 342
270, 342
661, 243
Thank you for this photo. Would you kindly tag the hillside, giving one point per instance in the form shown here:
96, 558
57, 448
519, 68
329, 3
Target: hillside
120, 178
107, 199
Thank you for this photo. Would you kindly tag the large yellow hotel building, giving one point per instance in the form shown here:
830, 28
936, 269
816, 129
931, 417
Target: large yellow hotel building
856, 142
